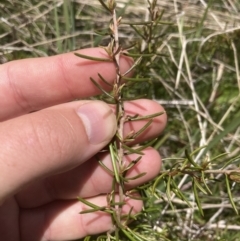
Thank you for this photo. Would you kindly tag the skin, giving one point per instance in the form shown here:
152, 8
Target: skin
48, 150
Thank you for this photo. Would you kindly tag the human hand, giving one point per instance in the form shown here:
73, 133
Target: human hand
47, 156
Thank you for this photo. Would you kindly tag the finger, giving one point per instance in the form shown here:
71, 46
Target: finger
9, 220
32, 84
88, 180
50, 189
61, 220
52, 141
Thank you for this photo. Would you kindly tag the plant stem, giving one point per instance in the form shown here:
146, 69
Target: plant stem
117, 144
120, 109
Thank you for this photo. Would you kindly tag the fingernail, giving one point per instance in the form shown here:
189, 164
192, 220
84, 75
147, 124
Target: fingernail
99, 121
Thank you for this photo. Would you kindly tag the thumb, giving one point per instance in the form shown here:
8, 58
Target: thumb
51, 141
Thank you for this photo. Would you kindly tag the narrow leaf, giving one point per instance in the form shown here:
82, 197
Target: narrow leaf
101, 238
137, 235
168, 191
158, 180
132, 163
93, 58
135, 177
114, 164
87, 238
138, 32
100, 87
105, 168
136, 117
93, 206
105, 6
129, 217
197, 197
137, 197
198, 185
116, 220
145, 186
137, 23
129, 236
133, 66
103, 32
205, 184
88, 203
114, 204
107, 100
150, 143
230, 162
197, 150
230, 194
132, 150
189, 158
218, 156
104, 81
139, 55
138, 133
160, 140
180, 193
93, 210
129, 47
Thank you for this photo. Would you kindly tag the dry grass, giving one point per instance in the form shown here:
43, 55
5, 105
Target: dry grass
33, 21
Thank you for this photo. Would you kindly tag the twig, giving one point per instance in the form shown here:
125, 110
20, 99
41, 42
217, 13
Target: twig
120, 106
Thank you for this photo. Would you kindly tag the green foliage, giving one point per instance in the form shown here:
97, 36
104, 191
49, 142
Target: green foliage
189, 64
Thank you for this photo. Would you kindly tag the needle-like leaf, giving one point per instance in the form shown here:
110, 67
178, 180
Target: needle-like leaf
230, 194
114, 163
93, 58
189, 158
100, 88
105, 6
197, 197
137, 118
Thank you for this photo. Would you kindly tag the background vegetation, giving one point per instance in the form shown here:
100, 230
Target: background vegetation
195, 76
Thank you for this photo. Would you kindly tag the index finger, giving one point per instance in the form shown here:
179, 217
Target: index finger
32, 84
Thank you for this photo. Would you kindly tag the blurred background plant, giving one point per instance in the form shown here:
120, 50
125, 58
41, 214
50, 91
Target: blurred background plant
191, 67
